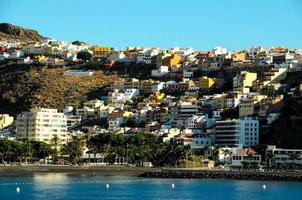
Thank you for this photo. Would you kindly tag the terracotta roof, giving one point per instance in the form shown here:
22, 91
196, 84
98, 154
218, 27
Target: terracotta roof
245, 152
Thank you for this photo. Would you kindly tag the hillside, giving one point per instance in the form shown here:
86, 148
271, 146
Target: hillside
12, 32
22, 87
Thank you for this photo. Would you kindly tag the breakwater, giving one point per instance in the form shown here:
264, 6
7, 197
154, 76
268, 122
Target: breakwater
235, 175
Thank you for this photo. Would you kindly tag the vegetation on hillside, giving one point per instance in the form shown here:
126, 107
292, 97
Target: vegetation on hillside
23, 87
286, 131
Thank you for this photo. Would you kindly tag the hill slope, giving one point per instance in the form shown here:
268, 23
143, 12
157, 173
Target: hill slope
12, 32
22, 87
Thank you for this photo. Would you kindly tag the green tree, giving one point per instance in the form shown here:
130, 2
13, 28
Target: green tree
74, 149
56, 144
84, 55
269, 156
226, 152
42, 150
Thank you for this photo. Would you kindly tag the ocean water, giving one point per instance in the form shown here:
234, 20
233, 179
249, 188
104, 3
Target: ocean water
63, 186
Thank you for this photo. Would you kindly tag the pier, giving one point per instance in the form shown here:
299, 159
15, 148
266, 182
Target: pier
221, 175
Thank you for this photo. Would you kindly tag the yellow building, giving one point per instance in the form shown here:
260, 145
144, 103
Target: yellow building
5, 120
206, 83
246, 108
191, 83
157, 96
100, 50
39, 58
244, 79
172, 60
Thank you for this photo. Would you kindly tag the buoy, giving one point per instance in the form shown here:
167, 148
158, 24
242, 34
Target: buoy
172, 185
264, 187
18, 190
107, 185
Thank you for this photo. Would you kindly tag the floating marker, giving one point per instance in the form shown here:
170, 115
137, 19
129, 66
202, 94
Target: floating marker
18, 190
172, 185
264, 187
107, 185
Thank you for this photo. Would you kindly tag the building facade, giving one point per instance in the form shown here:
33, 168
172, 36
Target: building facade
236, 132
42, 124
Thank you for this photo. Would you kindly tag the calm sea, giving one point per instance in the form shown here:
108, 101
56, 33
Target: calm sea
62, 186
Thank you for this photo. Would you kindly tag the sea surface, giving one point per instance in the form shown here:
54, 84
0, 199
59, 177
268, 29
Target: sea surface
63, 186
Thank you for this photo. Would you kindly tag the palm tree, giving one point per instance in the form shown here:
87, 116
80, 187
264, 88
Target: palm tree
216, 152
269, 156
249, 157
45, 150
226, 152
74, 149
56, 143
91, 148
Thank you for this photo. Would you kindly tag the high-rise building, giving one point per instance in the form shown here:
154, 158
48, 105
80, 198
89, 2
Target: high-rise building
237, 132
42, 124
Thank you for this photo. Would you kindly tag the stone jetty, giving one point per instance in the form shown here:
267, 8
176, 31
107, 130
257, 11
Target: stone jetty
217, 174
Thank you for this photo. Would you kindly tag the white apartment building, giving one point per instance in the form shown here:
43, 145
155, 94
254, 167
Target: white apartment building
197, 141
219, 51
115, 124
236, 132
36, 49
183, 52
186, 110
120, 97
197, 122
148, 55
161, 71
140, 56
234, 100
116, 55
253, 52
42, 124
284, 156
91, 108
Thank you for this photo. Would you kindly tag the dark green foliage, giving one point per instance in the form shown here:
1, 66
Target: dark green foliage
84, 55
15, 151
138, 148
286, 132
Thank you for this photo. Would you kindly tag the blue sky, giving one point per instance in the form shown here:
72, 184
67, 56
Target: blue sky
201, 24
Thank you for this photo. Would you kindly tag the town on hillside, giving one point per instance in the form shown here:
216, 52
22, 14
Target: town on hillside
176, 107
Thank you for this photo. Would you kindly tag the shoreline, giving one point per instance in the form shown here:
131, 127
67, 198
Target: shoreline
172, 173
73, 170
